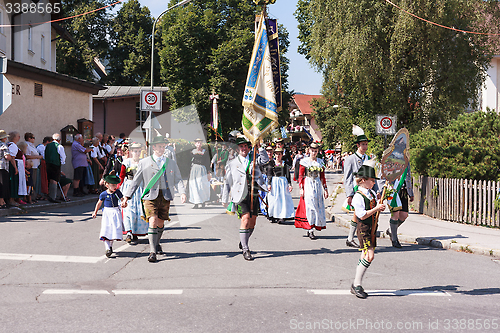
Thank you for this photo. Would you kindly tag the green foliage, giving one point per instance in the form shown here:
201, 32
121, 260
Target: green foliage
206, 46
130, 53
376, 59
90, 33
467, 148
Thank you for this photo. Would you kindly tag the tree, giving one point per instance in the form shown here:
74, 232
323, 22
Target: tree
377, 59
207, 46
130, 53
90, 34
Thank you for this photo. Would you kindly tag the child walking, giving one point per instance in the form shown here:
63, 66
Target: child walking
112, 222
365, 207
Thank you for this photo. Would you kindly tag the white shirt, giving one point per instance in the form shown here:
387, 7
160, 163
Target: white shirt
358, 202
62, 153
41, 150
32, 151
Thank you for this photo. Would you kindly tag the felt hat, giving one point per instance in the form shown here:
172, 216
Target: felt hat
360, 134
135, 145
158, 139
269, 147
279, 140
314, 145
367, 170
112, 179
198, 139
278, 150
242, 140
3, 134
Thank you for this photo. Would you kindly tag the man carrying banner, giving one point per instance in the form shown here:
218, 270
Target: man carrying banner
238, 190
351, 166
159, 174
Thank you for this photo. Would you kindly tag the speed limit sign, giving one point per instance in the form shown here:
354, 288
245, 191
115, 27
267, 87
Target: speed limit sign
151, 101
386, 124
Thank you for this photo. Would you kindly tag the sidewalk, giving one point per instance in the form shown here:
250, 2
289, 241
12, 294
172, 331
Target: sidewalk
424, 230
45, 205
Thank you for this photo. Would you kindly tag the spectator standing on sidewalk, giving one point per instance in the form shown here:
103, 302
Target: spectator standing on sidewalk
79, 161
5, 159
16, 163
54, 158
34, 156
351, 166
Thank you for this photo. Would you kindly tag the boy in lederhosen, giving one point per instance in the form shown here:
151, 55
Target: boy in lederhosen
365, 208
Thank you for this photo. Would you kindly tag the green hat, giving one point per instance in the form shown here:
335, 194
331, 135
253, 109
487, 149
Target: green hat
241, 140
360, 134
366, 171
158, 139
314, 145
112, 179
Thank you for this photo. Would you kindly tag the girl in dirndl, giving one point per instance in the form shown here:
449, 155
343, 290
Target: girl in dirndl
310, 212
111, 222
134, 225
279, 185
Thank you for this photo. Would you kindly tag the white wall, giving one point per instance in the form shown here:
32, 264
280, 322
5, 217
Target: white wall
490, 91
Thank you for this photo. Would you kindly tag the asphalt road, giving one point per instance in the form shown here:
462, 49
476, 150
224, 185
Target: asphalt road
54, 278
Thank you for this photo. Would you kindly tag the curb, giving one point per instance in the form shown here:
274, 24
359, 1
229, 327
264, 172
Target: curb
427, 241
46, 206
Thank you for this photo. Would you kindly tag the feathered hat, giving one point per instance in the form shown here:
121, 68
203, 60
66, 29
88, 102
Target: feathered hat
360, 134
367, 170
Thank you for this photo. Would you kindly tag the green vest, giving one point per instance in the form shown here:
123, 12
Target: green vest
51, 154
369, 204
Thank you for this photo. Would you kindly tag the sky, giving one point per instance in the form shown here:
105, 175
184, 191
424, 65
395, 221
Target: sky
302, 77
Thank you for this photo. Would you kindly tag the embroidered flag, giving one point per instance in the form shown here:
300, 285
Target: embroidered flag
260, 114
215, 114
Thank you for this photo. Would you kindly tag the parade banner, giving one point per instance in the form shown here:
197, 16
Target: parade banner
396, 158
260, 114
274, 51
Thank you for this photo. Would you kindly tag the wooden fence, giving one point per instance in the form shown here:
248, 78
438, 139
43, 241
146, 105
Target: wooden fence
457, 200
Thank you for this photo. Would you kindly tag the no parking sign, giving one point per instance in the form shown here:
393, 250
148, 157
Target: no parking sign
386, 124
151, 100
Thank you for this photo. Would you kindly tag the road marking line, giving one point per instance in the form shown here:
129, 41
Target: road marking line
74, 292
383, 292
147, 292
52, 258
170, 224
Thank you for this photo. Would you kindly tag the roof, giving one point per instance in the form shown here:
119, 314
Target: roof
124, 91
302, 102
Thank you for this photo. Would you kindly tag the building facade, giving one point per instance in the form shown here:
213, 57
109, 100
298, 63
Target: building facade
43, 101
302, 126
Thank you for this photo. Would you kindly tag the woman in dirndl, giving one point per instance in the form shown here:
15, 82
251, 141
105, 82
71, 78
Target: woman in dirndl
133, 223
310, 213
279, 185
199, 178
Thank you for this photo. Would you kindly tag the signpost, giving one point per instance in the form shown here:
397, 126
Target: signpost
386, 125
151, 101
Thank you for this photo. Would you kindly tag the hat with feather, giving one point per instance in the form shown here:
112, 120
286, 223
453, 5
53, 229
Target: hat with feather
360, 134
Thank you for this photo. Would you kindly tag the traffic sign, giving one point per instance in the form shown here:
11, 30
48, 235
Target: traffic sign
5, 87
151, 101
386, 124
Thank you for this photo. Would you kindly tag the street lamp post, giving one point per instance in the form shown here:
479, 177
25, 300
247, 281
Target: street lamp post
152, 55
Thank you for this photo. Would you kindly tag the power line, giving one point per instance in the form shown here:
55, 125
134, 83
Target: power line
442, 26
64, 18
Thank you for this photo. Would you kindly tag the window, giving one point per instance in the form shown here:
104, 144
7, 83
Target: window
140, 117
30, 39
42, 49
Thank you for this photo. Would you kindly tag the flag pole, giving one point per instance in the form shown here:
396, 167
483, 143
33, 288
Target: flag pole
253, 179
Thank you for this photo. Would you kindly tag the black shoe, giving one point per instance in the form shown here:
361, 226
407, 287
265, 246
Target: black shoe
247, 255
128, 239
358, 291
388, 233
159, 250
77, 193
203, 205
240, 246
152, 257
54, 200
109, 252
352, 243
396, 244
195, 206
311, 235
280, 221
